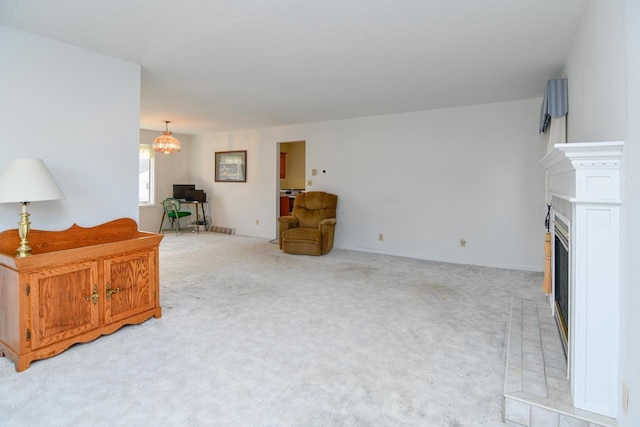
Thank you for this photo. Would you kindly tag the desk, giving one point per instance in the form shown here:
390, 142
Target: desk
204, 215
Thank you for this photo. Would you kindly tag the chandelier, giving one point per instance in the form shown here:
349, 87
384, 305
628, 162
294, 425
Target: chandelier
166, 143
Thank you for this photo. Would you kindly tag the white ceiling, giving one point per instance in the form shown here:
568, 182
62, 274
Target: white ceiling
211, 65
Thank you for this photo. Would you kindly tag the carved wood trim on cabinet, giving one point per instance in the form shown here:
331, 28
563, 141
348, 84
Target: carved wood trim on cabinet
79, 284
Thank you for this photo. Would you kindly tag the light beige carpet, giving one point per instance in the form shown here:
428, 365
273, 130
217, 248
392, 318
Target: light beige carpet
254, 337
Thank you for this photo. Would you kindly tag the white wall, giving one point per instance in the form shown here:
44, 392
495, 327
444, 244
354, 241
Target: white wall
630, 316
595, 67
169, 169
603, 69
425, 180
79, 111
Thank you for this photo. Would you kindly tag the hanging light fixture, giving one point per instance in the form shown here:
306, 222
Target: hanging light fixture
166, 143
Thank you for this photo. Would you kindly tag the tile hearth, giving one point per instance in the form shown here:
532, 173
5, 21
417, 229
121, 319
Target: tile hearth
537, 392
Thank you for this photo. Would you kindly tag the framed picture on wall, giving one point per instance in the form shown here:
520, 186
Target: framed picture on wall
231, 166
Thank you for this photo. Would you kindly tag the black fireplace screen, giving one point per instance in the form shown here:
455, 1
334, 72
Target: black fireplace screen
561, 276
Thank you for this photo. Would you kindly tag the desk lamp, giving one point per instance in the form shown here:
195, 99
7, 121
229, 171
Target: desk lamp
25, 181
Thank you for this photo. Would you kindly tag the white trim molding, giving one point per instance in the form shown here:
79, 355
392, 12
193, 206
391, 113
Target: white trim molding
587, 175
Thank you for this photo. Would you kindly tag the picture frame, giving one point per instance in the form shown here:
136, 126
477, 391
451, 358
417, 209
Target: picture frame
231, 166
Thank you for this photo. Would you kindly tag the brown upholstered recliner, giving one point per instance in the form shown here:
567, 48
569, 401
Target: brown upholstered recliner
309, 229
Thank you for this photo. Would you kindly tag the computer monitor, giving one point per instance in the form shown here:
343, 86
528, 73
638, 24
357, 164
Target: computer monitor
196, 196
180, 190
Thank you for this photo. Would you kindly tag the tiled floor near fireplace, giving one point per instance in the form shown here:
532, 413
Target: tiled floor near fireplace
536, 388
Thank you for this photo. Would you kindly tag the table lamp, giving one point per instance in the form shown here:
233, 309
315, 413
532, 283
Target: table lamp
25, 181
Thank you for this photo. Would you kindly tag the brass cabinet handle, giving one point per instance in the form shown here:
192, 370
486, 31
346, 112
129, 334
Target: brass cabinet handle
111, 291
94, 296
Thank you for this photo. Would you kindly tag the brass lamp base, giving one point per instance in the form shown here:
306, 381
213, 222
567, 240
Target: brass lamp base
23, 231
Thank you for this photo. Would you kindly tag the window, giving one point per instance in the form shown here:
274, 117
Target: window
146, 176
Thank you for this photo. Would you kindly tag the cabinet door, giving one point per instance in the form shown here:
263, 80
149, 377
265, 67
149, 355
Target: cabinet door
131, 285
284, 206
64, 303
283, 165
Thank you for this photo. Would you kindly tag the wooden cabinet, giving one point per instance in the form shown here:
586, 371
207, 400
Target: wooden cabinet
283, 165
79, 284
284, 205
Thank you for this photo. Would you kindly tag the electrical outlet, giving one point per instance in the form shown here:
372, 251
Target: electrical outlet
381, 237
313, 172
257, 222
463, 243
309, 182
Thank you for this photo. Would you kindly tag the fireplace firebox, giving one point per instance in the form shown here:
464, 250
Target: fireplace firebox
561, 279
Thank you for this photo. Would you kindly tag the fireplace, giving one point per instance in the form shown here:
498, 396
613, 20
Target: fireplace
583, 184
561, 279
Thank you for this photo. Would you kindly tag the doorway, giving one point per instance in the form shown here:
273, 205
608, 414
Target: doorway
291, 164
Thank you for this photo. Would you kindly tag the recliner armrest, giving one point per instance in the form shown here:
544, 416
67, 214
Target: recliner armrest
328, 221
288, 221
327, 227
285, 223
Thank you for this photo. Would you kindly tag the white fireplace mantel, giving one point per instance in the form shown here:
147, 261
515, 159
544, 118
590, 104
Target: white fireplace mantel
583, 180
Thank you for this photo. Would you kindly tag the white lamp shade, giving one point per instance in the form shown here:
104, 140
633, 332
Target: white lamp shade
28, 180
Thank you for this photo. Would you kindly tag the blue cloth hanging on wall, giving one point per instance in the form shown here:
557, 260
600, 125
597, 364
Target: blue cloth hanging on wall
555, 102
